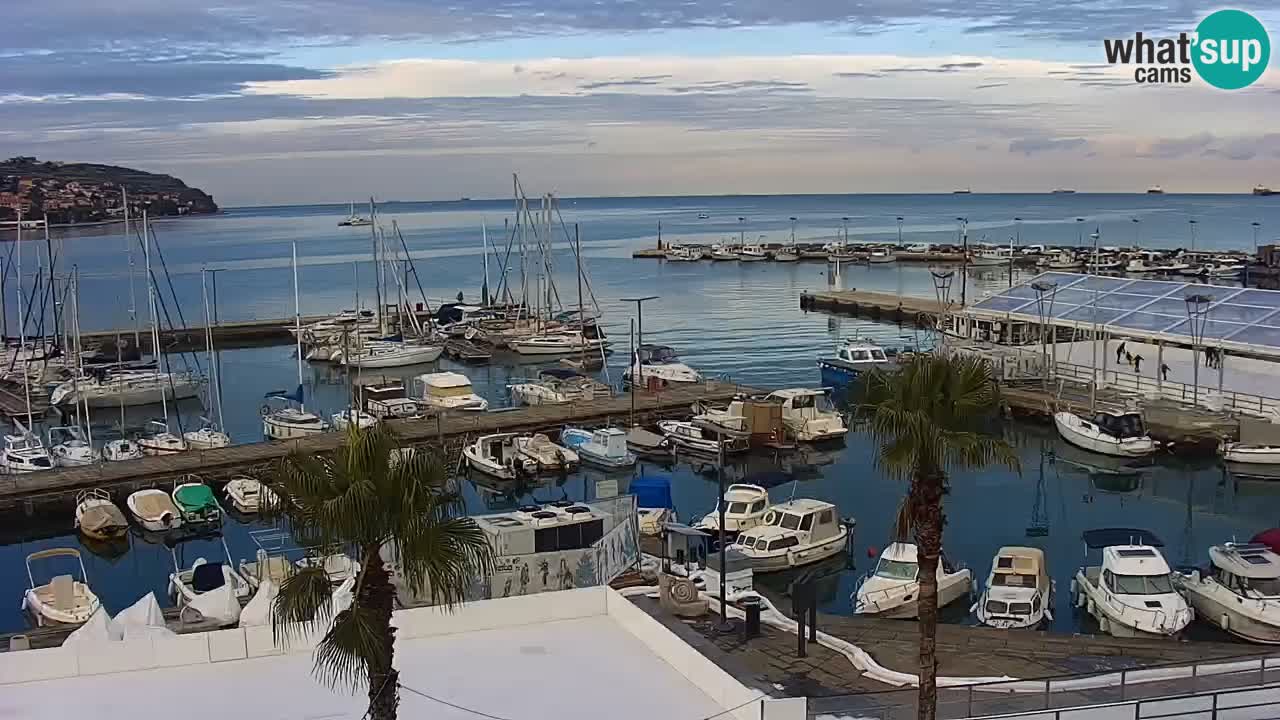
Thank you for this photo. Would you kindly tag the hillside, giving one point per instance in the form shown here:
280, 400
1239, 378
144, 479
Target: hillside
85, 192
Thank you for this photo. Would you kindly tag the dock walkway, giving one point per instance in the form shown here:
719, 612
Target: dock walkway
440, 430
875, 305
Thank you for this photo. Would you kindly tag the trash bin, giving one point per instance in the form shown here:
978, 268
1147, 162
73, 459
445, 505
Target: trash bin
751, 605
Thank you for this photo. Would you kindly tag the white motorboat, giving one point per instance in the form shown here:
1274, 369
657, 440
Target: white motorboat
97, 516
647, 444
154, 510
809, 414
787, 254
606, 447
752, 253
991, 257
287, 422
793, 534
1139, 266
1131, 593
1019, 593
214, 589
1119, 434
659, 363
882, 257
1104, 265
447, 391
1249, 454
693, 437
247, 494
1064, 261
388, 354
207, 437
129, 387
1239, 592
158, 440
730, 418
892, 590
1191, 269
346, 418
565, 342
354, 219
498, 456
23, 454
122, 449
556, 386
1222, 270
745, 507
679, 253
547, 455
63, 600
721, 253
69, 448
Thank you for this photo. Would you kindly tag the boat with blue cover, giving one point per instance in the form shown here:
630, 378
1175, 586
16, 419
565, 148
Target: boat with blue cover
852, 359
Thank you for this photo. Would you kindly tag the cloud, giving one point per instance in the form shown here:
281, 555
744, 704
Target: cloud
988, 86
1029, 146
184, 77
721, 86
853, 74
1178, 147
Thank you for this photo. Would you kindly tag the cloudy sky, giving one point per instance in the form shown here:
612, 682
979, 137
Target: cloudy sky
281, 101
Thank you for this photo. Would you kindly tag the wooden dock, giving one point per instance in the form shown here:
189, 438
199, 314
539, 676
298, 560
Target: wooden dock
446, 431
875, 305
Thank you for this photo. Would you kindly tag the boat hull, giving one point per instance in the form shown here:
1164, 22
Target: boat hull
799, 557
143, 396
1068, 431
902, 602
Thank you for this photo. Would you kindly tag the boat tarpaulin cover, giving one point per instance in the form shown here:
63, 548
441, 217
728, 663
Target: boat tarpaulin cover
652, 491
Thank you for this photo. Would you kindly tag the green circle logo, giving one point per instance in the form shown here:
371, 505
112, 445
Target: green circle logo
1231, 49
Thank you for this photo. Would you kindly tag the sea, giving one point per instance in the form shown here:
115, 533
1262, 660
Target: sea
737, 321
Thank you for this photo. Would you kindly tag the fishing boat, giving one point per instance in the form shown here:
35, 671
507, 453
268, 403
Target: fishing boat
692, 437
1239, 592
206, 437
722, 253
752, 253
809, 414
1246, 454
892, 589
97, 517
852, 360
69, 448
214, 588
786, 254
660, 363
546, 454
497, 455
745, 507
565, 342
447, 391
648, 444
246, 494
605, 447
24, 453
881, 257
195, 502
1140, 266
158, 440
1019, 593
1131, 593
1064, 261
63, 600
794, 534
122, 449
154, 510
1119, 434
679, 253
991, 257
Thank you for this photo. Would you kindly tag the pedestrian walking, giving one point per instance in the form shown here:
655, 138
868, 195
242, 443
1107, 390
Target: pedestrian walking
1164, 372
1137, 363
1119, 352
1128, 359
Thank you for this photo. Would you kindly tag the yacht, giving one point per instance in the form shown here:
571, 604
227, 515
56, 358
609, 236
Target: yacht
659, 362
695, 438
497, 455
154, 510
1131, 593
23, 454
892, 589
130, 387
606, 447
157, 440
97, 517
752, 253
246, 494
566, 342
1239, 592
447, 391
63, 600
287, 421
546, 454
1263, 190
354, 220
392, 353
793, 534
1019, 593
745, 507
809, 414
852, 359
207, 437
69, 448
1119, 434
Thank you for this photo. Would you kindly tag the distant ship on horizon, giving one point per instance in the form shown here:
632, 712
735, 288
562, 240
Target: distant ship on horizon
1062, 191
966, 191
1263, 190
1155, 190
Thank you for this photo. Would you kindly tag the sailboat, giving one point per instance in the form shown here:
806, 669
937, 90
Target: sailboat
354, 220
71, 446
158, 440
208, 436
291, 419
23, 453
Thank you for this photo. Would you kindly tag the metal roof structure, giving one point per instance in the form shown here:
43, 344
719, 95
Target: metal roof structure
1243, 319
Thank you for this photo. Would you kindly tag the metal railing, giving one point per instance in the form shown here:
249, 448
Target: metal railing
1231, 400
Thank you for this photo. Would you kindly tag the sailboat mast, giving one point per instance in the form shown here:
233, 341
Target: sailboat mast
79, 369
128, 249
297, 319
484, 242
22, 329
373, 236
582, 315
208, 340
155, 325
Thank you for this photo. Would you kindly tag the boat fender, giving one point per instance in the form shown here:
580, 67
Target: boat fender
1225, 621
1104, 625
1090, 606
1075, 591
265, 410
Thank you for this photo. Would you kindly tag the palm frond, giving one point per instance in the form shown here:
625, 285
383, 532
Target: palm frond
357, 640
304, 603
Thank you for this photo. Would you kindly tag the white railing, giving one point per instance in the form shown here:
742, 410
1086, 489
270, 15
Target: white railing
1230, 400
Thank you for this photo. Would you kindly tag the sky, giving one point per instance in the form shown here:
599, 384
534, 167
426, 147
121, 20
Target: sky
263, 102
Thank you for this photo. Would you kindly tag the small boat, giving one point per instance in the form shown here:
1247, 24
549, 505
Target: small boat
122, 449
463, 350
547, 455
647, 444
344, 419
1172, 267
214, 588
892, 590
1191, 270
678, 253
1019, 592
1222, 270
354, 220
195, 502
722, 253
1239, 592
703, 216
881, 257
23, 454
498, 456
991, 257
447, 391
787, 254
287, 421
69, 448
727, 419
386, 399
207, 437
388, 354
852, 359
1064, 261
794, 534
1139, 266
745, 507
246, 494
606, 447
97, 517
1263, 190
157, 440
688, 436
809, 414
1155, 190
1246, 454
1062, 191
154, 510
568, 342
1131, 593
752, 253
1104, 265
1119, 434
658, 363
63, 600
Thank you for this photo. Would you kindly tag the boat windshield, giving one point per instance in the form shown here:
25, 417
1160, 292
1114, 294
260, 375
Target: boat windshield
1128, 425
787, 520
1013, 580
896, 570
878, 354
658, 355
1141, 584
736, 508
1266, 587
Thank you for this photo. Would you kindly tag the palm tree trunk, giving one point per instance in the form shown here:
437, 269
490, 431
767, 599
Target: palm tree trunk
926, 504
378, 595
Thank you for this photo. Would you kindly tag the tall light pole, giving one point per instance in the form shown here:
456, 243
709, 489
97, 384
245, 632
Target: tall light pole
942, 290
1017, 242
900, 231
1137, 232
1045, 294
1197, 318
844, 224
1192, 223
793, 232
741, 231
1256, 226
1079, 231
964, 260
635, 358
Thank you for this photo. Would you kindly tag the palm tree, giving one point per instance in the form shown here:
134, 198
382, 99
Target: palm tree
370, 498
925, 417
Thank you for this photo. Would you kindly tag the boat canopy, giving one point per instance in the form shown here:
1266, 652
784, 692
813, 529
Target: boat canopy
652, 491
195, 496
1121, 425
1248, 561
656, 354
1110, 537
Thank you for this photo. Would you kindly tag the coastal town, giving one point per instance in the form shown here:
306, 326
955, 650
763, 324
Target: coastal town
77, 193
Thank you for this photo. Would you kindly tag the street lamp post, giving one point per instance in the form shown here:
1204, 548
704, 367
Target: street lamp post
1137, 232
1045, 294
964, 259
942, 290
635, 358
793, 232
1197, 318
1256, 226
900, 232
1017, 242
1192, 223
844, 225
741, 232
724, 625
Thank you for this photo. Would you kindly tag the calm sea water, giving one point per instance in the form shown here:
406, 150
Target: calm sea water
726, 319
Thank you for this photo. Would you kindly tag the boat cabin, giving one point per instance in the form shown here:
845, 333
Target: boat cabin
1120, 425
656, 355
443, 388
1250, 570
1018, 584
744, 507
861, 353
797, 523
386, 399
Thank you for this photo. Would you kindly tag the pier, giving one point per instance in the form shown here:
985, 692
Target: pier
446, 431
875, 305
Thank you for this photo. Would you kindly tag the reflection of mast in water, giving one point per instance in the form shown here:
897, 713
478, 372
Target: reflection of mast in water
1187, 524
1039, 525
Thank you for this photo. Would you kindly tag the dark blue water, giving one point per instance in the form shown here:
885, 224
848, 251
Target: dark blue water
737, 320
